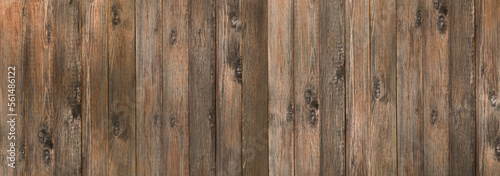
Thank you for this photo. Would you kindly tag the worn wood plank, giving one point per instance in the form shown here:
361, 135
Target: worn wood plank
13, 86
332, 86
40, 90
202, 87
306, 87
229, 91
121, 87
436, 87
175, 89
410, 134
462, 86
280, 70
95, 88
487, 86
357, 86
383, 58
150, 118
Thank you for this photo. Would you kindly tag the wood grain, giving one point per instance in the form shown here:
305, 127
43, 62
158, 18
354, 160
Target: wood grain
306, 87
12, 52
150, 119
410, 133
487, 87
121, 88
202, 96
281, 101
95, 88
332, 87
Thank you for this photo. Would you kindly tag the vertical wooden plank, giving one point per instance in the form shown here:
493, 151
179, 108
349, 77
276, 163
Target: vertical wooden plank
488, 86
202, 87
357, 86
67, 88
306, 87
383, 58
149, 88
255, 86
462, 87
95, 88
332, 86
280, 70
122, 87
175, 89
39, 92
436, 87
12, 54
410, 134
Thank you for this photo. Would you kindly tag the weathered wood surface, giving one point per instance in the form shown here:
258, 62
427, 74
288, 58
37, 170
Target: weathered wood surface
252, 87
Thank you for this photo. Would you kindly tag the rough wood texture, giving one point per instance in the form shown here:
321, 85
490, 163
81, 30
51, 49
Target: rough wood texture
150, 118
357, 87
95, 88
410, 134
487, 87
40, 92
67, 88
122, 87
229, 96
332, 87
175, 87
202, 87
436, 90
306, 87
280, 70
12, 54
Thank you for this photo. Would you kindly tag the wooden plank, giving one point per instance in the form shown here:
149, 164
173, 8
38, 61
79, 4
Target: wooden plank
357, 87
332, 86
13, 87
487, 86
229, 95
121, 88
67, 88
306, 87
410, 134
202, 87
255, 86
40, 92
280, 70
383, 58
95, 88
149, 88
175, 89
462, 87
436, 87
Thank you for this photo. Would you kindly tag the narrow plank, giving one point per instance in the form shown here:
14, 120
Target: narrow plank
410, 134
462, 86
383, 58
332, 86
436, 87
357, 86
13, 87
255, 88
487, 86
306, 87
202, 87
149, 88
280, 70
67, 88
175, 89
95, 88
229, 95
121, 88
40, 92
